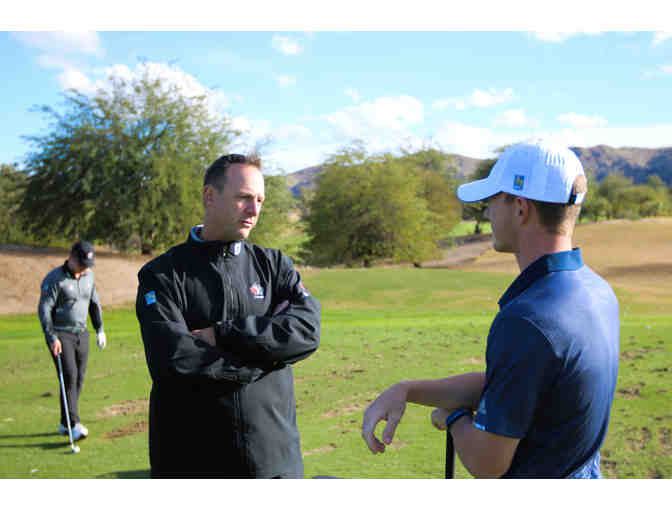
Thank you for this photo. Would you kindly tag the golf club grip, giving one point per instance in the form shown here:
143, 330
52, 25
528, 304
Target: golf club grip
450, 456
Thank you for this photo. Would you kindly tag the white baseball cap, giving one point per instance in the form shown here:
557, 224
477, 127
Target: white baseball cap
539, 170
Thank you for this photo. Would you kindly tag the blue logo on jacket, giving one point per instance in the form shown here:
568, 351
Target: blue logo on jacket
150, 297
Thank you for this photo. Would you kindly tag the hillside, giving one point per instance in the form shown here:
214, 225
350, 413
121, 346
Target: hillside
633, 255
633, 162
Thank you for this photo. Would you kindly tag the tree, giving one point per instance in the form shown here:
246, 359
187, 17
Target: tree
11, 183
372, 207
476, 210
274, 218
124, 165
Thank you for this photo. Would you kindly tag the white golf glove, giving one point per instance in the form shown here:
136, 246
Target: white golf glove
102, 340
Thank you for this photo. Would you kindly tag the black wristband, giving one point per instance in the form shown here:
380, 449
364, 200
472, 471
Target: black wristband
454, 416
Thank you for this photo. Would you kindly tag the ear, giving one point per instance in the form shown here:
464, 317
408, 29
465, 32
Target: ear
208, 194
522, 210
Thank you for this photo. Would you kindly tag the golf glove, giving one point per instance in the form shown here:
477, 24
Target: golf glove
102, 340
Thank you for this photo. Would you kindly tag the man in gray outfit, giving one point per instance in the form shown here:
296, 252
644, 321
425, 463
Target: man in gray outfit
67, 294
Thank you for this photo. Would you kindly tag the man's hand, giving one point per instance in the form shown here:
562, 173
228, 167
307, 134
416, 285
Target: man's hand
280, 308
56, 347
439, 418
207, 335
389, 406
101, 340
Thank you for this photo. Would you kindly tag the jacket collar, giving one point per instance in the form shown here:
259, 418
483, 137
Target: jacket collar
231, 247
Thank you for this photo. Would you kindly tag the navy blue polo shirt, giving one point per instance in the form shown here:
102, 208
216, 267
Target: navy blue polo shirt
552, 365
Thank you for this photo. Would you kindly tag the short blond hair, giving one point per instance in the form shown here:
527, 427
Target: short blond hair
561, 218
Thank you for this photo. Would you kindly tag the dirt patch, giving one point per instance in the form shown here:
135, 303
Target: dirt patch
125, 408
473, 361
665, 442
318, 451
460, 255
637, 439
630, 355
133, 428
395, 445
348, 409
630, 393
24, 268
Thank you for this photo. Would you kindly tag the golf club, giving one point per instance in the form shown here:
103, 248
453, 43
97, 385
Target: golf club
450, 456
75, 449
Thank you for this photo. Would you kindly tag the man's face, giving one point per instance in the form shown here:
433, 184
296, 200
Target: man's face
232, 213
77, 268
500, 213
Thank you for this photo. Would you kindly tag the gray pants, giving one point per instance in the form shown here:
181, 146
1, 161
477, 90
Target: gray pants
73, 358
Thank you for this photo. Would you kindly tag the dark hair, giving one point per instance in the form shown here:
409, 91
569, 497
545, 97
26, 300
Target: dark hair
215, 175
561, 218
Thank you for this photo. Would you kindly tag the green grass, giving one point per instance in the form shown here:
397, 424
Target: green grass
465, 228
379, 326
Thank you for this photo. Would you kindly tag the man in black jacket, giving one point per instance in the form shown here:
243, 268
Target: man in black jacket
222, 321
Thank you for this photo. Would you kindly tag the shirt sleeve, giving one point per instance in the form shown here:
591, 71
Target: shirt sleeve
95, 310
48, 299
520, 367
290, 336
170, 348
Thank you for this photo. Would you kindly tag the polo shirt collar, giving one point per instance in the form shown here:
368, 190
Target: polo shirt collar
560, 261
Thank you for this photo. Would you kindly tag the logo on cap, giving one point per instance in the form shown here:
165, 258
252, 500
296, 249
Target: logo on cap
519, 182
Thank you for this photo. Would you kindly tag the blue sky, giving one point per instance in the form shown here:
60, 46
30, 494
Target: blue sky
310, 92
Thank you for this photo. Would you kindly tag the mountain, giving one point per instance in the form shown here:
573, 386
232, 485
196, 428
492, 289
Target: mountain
633, 162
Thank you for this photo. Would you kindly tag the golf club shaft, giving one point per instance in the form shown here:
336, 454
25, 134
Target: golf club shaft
450, 456
65, 398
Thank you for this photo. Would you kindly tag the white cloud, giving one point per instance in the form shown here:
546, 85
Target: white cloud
578, 120
660, 37
352, 94
385, 114
514, 119
658, 135
444, 104
292, 132
490, 97
87, 43
286, 45
558, 37
72, 78
471, 141
478, 98
285, 80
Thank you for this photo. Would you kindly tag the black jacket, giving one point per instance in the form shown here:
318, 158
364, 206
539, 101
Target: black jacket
225, 411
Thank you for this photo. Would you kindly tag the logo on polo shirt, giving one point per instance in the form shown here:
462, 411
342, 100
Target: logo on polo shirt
257, 291
519, 182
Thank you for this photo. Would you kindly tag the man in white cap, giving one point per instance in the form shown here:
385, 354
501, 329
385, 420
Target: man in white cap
541, 408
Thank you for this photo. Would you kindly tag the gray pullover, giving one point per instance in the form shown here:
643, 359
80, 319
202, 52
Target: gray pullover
65, 301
